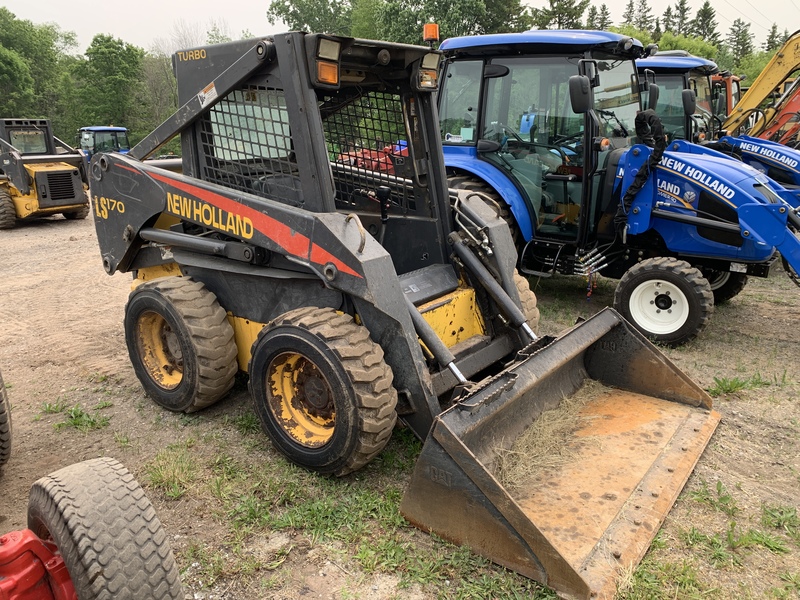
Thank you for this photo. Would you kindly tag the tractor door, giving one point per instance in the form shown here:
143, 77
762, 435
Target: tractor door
538, 139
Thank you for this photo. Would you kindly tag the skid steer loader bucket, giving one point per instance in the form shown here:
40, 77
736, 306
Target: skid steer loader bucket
575, 522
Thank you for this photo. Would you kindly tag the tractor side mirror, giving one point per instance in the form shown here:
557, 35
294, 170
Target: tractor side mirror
689, 102
484, 146
652, 98
580, 94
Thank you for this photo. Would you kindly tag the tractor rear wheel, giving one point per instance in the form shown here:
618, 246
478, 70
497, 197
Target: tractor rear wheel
5, 424
180, 343
107, 532
666, 299
322, 390
724, 284
76, 215
8, 214
493, 199
528, 299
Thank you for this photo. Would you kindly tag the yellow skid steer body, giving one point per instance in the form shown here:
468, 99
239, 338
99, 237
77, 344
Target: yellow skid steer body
576, 525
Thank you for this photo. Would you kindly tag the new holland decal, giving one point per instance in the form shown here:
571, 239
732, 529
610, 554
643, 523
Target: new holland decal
209, 215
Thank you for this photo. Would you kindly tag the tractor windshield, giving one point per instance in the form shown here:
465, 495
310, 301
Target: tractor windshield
670, 105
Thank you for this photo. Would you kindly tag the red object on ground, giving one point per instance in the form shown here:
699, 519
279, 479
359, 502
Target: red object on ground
32, 569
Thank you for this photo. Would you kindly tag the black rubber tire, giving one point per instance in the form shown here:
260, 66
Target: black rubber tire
77, 215
108, 533
342, 413
646, 289
8, 214
724, 284
180, 343
528, 300
5, 424
465, 182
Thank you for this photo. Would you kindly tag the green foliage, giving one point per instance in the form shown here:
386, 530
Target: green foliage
111, 74
16, 84
560, 14
697, 46
319, 16
740, 41
643, 36
753, 64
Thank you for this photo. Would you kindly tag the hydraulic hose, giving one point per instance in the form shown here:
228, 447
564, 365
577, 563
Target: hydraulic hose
490, 284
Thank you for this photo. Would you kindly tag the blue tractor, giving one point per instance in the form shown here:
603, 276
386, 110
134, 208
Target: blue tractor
103, 138
548, 127
677, 70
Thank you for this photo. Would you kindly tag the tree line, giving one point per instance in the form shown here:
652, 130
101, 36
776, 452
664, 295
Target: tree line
42, 74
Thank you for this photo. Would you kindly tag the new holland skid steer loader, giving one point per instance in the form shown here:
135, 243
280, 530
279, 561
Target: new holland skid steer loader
311, 241
39, 174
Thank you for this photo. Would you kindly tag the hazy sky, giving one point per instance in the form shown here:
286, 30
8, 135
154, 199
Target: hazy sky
146, 22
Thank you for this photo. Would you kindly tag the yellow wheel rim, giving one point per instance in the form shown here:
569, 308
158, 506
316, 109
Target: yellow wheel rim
160, 350
300, 399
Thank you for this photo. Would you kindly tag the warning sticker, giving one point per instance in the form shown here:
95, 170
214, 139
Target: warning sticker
207, 94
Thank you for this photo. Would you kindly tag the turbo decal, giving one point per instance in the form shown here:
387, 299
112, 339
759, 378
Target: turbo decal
209, 215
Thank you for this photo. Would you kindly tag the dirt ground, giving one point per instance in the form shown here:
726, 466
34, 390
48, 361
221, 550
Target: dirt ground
62, 342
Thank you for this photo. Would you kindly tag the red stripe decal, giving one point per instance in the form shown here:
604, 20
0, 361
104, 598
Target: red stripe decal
292, 242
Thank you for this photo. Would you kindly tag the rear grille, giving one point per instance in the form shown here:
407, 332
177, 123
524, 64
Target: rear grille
61, 186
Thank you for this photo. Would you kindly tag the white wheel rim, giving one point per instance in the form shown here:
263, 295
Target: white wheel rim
659, 307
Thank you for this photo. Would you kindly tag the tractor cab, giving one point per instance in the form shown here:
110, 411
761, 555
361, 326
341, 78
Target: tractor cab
518, 129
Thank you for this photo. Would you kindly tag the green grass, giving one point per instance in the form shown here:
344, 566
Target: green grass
78, 418
718, 499
733, 385
246, 424
783, 518
791, 588
654, 580
52, 408
173, 470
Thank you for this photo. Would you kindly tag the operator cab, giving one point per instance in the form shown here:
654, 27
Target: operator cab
520, 121
673, 77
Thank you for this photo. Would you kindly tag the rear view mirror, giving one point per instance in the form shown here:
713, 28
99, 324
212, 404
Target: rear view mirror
580, 94
689, 102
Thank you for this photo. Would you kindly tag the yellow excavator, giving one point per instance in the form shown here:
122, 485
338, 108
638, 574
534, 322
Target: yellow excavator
750, 116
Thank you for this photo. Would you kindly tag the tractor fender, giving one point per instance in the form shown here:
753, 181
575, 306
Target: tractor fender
499, 182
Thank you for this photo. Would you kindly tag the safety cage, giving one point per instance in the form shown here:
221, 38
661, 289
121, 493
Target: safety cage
246, 143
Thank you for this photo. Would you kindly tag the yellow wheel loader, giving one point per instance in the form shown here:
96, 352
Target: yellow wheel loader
311, 241
40, 175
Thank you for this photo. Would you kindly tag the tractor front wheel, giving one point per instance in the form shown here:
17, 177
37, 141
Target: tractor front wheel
8, 214
107, 532
666, 299
492, 199
322, 390
5, 425
180, 343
